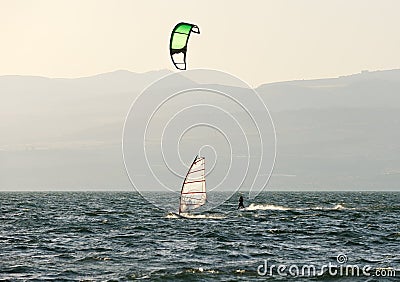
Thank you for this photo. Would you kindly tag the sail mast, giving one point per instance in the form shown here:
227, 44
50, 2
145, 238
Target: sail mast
183, 184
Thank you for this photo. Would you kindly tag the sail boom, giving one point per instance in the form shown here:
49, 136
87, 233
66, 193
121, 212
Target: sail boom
197, 181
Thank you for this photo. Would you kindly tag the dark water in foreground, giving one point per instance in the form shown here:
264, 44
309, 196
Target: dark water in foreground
117, 237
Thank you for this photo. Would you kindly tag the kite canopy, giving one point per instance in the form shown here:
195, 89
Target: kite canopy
178, 43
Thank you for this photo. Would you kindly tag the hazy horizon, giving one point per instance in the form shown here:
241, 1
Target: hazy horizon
65, 135
280, 41
167, 71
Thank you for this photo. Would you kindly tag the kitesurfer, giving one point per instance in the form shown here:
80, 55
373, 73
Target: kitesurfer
241, 205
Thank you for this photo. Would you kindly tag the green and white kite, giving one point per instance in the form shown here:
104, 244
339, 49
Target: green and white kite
178, 43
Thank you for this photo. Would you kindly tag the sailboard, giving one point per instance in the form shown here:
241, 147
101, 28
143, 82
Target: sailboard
193, 192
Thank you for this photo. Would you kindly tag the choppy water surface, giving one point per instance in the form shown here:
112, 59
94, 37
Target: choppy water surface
118, 236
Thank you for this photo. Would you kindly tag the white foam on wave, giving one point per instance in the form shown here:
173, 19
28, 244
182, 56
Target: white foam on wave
254, 207
338, 207
196, 216
201, 269
209, 216
171, 215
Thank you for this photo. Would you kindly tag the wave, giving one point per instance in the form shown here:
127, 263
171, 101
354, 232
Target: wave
339, 207
195, 216
200, 269
254, 207
336, 207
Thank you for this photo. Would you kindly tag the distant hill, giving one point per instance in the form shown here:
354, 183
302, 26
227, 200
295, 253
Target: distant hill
333, 134
363, 90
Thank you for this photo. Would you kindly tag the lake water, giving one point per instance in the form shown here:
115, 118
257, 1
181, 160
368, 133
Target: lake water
118, 236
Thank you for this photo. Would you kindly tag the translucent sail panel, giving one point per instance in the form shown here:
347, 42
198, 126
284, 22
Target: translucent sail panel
193, 194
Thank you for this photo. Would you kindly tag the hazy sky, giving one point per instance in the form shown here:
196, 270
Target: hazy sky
259, 41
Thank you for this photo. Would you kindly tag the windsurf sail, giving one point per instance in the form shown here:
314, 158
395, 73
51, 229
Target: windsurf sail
193, 192
178, 43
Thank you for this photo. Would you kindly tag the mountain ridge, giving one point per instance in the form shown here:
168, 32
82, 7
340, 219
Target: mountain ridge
61, 133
